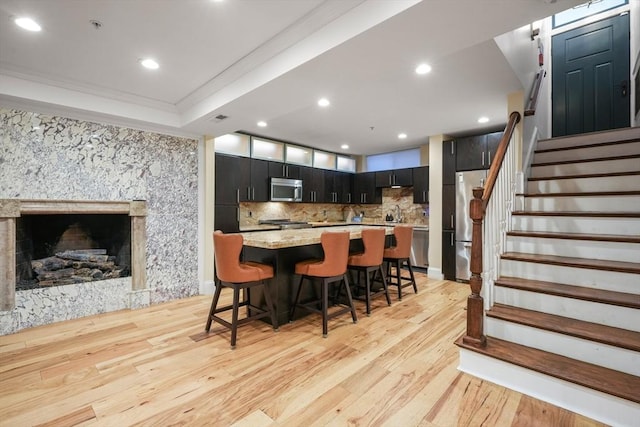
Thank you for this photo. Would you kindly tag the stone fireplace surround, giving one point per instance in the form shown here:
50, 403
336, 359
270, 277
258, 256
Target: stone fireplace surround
10, 209
54, 158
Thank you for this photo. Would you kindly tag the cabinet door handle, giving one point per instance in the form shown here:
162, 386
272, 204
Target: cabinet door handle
238, 214
489, 164
284, 169
424, 196
237, 195
248, 193
483, 158
348, 197
452, 242
253, 193
452, 221
453, 151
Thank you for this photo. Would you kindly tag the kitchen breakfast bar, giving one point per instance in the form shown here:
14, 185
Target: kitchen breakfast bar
283, 249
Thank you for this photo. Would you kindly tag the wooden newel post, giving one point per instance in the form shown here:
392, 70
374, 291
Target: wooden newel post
475, 303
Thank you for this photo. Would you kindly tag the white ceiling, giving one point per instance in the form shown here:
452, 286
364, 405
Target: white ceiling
269, 60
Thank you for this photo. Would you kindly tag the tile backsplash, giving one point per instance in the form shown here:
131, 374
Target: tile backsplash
252, 213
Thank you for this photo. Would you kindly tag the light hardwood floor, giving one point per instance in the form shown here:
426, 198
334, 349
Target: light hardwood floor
155, 367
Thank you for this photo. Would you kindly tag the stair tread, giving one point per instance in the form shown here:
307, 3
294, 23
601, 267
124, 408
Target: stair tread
622, 299
603, 334
591, 145
606, 380
599, 159
585, 194
577, 236
585, 175
594, 264
579, 214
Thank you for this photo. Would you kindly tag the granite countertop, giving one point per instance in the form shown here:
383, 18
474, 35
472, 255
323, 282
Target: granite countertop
367, 222
278, 239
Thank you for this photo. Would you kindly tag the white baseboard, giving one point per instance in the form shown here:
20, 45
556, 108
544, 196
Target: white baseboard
435, 273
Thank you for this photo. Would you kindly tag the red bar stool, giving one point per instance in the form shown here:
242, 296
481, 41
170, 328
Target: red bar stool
331, 269
398, 255
370, 261
231, 273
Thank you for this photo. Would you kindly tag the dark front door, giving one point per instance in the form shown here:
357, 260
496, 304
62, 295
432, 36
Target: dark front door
590, 82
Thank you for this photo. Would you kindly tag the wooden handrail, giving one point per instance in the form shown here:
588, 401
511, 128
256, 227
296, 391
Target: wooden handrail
494, 170
475, 303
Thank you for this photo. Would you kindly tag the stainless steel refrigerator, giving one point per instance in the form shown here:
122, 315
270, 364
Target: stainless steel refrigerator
465, 181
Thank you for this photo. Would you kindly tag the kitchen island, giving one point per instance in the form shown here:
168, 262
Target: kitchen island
283, 249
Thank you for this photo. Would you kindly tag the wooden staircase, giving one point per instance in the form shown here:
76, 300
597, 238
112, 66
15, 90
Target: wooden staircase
566, 303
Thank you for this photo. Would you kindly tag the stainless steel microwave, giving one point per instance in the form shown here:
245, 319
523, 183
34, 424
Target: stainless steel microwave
286, 190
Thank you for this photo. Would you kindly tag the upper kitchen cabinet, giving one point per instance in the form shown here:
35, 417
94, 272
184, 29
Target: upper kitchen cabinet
399, 177
230, 184
421, 185
448, 163
313, 184
476, 152
365, 191
338, 187
283, 170
234, 184
471, 152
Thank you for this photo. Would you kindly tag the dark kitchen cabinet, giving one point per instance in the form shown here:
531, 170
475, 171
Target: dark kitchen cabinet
493, 141
400, 177
365, 191
448, 207
240, 179
337, 187
449, 254
233, 177
283, 170
227, 218
259, 190
448, 163
476, 152
312, 184
421, 185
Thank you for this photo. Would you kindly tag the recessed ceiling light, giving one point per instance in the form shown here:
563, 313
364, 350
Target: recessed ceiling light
27, 24
402, 136
262, 124
483, 119
323, 102
423, 69
149, 63
345, 146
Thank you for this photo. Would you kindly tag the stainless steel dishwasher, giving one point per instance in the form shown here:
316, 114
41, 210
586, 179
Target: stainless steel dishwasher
420, 247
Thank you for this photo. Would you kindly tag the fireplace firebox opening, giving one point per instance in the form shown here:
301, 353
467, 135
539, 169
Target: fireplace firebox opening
61, 249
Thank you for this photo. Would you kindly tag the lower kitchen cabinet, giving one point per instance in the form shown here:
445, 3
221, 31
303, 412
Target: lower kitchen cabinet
449, 255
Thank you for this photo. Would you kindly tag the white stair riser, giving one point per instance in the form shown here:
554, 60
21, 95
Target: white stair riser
610, 166
583, 203
588, 311
586, 225
598, 279
612, 251
577, 185
596, 353
588, 153
591, 138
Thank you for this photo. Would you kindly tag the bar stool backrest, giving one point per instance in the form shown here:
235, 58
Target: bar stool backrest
404, 236
227, 248
373, 240
336, 254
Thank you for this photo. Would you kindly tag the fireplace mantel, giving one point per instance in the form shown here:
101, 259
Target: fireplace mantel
10, 209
